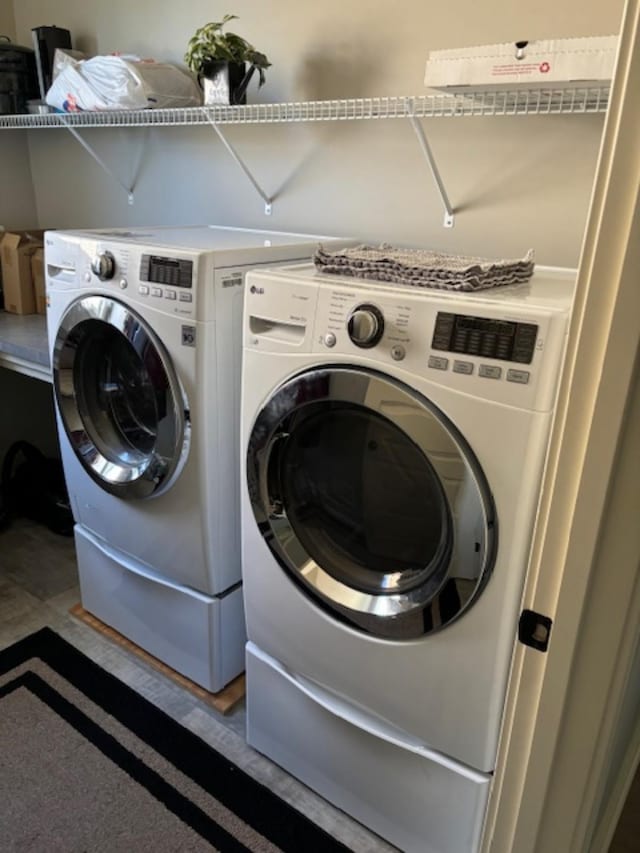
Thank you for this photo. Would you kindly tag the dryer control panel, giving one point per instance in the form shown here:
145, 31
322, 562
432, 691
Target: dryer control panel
495, 349
483, 336
504, 345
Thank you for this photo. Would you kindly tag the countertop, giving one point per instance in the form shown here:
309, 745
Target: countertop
23, 344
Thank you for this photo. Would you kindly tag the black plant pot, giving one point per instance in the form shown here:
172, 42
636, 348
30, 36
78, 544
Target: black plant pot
225, 82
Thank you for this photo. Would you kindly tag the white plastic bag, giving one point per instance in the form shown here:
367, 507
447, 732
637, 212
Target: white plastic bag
116, 83
63, 57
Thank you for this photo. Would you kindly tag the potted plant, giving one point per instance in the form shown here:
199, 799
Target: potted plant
220, 60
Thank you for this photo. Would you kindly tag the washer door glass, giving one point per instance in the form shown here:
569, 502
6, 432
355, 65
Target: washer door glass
372, 501
120, 401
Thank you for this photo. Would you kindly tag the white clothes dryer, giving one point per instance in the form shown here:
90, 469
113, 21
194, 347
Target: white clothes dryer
144, 333
394, 442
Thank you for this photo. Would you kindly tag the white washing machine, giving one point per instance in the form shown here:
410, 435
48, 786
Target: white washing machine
394, 441
145, 340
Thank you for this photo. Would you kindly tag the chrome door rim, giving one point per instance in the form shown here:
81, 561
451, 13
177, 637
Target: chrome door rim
164, 463
381, 614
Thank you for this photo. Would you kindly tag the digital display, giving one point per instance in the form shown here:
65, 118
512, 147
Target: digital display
170, 271
482, 336
481, 324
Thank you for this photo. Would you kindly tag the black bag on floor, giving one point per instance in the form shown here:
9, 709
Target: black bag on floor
33, 486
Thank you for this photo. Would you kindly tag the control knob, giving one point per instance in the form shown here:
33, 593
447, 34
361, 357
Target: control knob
365, 325
104, 266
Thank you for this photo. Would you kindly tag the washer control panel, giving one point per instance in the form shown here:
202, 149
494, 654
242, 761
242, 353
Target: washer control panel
165, 281
167, 278
174, 272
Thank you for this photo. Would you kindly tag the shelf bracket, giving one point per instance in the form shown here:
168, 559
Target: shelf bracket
98, 159
268, 201
426, 150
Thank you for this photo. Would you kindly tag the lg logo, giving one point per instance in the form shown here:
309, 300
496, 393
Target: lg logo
258, 290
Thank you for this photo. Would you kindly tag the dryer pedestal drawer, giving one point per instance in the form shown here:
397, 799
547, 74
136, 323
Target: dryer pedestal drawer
420, 804
199, 636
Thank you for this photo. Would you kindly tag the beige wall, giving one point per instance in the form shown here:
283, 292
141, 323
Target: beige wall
516, 183
7, 19
17, 202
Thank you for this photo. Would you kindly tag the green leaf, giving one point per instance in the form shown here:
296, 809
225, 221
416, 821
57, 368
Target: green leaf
210, 43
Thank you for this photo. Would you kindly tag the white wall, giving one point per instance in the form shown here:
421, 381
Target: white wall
516, 183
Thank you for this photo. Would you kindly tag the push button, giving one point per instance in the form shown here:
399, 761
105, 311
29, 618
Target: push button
170, 294
520, 376
490, 372
438, 363
463, 367
185, 297
156, 291
398, 352
143, 290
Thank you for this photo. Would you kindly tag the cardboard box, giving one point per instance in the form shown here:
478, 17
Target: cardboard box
37, 275
554, 63
16, 249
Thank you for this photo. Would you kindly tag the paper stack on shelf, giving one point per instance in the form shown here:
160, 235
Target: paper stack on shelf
554, 63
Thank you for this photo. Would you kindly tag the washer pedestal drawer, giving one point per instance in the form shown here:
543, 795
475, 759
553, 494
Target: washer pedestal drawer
420, 804
199, 636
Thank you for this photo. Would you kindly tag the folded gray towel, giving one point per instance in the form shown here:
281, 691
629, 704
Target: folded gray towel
423, 268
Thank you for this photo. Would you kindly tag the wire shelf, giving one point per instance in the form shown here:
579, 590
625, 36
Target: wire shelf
440, 105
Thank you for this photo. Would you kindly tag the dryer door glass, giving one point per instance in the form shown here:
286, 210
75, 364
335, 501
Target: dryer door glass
120, 401
371, 501
364, 499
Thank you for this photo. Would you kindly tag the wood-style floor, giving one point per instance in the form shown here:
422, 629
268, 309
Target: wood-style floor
39, 586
